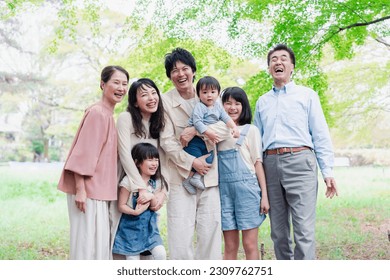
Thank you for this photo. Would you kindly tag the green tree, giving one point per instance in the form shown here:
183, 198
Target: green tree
223, 35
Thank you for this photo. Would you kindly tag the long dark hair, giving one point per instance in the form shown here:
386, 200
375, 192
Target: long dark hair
239, 95
156, 122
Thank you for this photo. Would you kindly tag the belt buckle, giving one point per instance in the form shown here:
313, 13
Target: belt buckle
281, 151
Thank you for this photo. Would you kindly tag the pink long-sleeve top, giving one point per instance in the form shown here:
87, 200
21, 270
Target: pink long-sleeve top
93, 154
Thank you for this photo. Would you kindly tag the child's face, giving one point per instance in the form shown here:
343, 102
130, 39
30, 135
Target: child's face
233, 108
149, 166
208, 95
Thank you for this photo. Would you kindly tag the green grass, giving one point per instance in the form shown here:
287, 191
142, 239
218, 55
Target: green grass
34, 219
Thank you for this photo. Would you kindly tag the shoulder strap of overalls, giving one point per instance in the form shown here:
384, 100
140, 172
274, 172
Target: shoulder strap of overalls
243, 134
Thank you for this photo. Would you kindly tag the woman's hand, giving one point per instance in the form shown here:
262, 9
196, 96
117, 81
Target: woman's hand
158, 201
144, 197
80, 199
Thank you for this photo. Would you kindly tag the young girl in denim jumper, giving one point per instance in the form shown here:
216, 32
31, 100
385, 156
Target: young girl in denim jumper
138, 231
242, 185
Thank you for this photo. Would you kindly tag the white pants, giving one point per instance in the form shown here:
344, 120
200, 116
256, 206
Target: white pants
187, 214
89, 231
158, 253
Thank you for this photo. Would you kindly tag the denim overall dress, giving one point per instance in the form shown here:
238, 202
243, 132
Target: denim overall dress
137, 234
239, 190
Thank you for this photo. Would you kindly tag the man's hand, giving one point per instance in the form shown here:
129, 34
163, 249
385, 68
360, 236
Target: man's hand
201, 166
187, 135
331, 188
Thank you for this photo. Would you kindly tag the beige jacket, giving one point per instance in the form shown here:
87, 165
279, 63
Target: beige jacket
180, 162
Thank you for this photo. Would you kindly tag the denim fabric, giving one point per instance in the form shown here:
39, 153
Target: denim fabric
137, 234
239, 190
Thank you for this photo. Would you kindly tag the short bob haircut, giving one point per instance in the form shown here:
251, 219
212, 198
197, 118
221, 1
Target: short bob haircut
208, 82
239, 95
281, 47
156, 122
181, 55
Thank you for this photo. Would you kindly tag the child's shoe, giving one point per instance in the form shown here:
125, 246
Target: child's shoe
190, 188
196, 181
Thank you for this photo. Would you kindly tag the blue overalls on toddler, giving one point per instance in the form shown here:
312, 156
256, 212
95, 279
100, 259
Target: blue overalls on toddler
239, 190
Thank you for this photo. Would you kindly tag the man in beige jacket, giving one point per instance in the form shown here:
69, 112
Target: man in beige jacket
188, 214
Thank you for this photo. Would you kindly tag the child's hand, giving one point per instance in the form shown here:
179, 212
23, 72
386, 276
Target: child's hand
140, 208
212, 136
235, 132
264, 206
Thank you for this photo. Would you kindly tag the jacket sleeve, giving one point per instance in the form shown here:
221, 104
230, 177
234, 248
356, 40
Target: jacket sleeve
124, 150
88, 143
172, 146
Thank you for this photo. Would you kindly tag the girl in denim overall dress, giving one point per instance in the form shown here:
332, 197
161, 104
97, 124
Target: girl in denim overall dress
242, 185
138, 232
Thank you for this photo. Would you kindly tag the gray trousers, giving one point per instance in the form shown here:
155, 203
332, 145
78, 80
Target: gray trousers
292, 186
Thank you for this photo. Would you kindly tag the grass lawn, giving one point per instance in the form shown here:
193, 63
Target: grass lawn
355, 225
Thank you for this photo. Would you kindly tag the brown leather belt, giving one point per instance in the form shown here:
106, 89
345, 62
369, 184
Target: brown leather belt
281, 151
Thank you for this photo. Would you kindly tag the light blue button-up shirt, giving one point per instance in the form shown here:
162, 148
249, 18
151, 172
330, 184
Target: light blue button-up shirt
292, 117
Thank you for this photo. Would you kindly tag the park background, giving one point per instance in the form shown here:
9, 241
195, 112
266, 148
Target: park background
52, 52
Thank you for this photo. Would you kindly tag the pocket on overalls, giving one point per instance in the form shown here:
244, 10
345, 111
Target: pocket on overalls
227, 163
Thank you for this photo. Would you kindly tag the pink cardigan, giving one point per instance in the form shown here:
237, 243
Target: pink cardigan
93, 154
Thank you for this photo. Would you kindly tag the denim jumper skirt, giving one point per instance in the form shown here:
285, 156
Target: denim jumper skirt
239, 190
137, 234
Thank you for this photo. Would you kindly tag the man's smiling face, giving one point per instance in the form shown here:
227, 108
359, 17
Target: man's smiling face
280, 67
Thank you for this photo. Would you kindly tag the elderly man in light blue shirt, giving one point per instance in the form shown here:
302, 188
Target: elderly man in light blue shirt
295, 135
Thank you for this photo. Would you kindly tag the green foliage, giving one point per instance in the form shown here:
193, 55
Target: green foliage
357, 96
15, 151
220, 34
37, 146
256, 86
10, 8
210, 60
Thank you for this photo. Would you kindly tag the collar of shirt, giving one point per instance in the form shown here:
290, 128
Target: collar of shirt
286, 88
